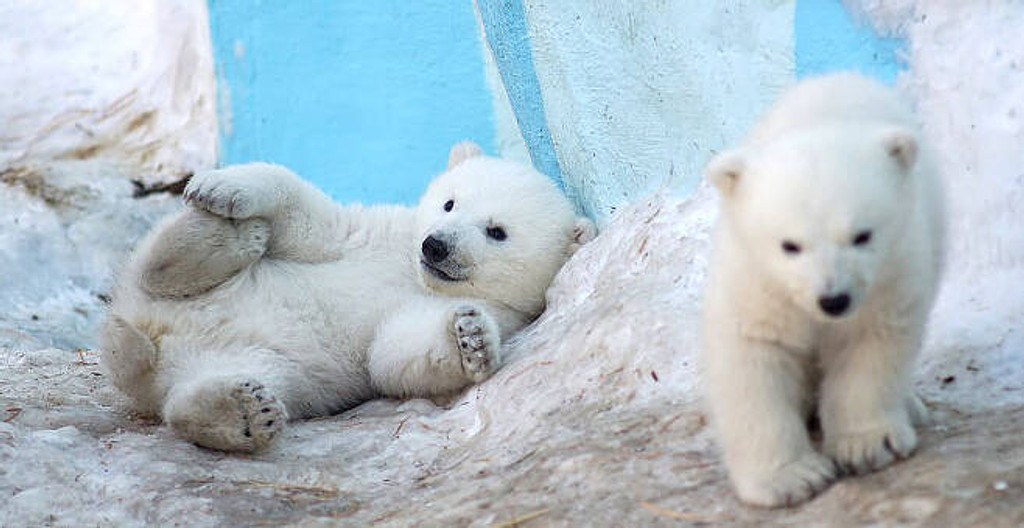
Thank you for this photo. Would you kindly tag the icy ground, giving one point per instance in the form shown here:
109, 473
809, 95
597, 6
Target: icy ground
594, 420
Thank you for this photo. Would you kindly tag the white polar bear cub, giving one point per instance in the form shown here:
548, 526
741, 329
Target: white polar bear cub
826, 260
266, 301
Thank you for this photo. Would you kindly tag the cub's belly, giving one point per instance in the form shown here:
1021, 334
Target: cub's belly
328, 311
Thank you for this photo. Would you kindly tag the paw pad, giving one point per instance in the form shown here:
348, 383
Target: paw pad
262, 415
478, 340
222, 195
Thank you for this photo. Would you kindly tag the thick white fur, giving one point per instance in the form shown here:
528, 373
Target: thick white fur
265, 300
836, 156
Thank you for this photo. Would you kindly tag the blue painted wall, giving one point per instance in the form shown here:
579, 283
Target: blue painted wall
827, 38
362, 98
508, 36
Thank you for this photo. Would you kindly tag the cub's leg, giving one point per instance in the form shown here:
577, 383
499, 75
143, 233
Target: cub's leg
757, 394
434, 347
130, 358
306, 225
238, 400
197, 251
868, 408
230, 413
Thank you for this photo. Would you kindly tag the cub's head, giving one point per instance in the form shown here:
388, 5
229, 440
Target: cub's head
495, 229
817, 213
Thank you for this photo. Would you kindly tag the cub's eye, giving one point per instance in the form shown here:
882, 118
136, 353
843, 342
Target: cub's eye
497, 233
790, 247
448, 206
862, 238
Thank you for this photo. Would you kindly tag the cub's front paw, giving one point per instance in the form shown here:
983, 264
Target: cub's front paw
788, 485
859, 449
478, 340
231, 193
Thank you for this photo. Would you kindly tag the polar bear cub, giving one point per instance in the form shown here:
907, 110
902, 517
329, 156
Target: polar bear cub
826, 260
264, 300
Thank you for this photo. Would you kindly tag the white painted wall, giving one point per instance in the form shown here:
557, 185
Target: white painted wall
640, 94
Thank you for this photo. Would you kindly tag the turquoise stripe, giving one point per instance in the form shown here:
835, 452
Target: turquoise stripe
507, 34
827, 38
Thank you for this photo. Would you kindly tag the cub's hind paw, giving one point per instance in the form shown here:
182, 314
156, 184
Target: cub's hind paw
253, 237
228, 194
478, 340
262, 415
226, 414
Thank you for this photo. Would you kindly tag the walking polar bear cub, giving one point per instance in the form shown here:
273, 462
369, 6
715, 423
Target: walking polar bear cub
826, 261
265, 300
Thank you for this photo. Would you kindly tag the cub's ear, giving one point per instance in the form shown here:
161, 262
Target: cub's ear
901, 145
462, 151
583, 231
725, 171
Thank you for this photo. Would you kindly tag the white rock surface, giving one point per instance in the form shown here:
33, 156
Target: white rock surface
64, 226
595, 420
128, 82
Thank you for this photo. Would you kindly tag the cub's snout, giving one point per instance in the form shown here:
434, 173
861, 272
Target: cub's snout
834, 305
435, 250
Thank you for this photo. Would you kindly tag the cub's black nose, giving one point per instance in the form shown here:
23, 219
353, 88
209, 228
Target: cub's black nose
434, 250
834, 305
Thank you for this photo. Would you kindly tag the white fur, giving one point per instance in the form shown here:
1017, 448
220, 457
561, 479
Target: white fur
835, 157
266, 300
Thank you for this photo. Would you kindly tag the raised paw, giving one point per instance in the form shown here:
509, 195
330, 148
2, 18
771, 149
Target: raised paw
253, 237
788, 485
262, 415
871, 448
478, 340
234, 192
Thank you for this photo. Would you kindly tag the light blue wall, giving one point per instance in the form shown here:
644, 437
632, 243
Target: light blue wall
828, 38
362, 98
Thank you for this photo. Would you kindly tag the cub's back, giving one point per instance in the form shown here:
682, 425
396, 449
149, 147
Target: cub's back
838, 97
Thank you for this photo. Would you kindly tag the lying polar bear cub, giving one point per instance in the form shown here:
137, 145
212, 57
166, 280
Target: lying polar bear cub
266, 301
826, 261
